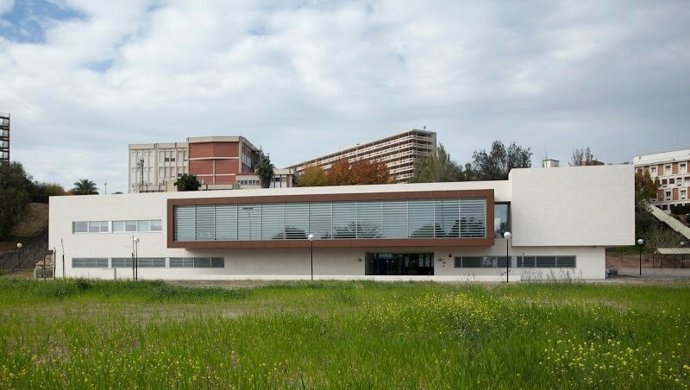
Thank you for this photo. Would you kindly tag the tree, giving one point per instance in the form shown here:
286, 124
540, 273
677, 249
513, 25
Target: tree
14, 196
437, 167
369, 172
187, 183
496, 164
583, 157
312, 176
339, 174
645, 187
265, 170
84, 187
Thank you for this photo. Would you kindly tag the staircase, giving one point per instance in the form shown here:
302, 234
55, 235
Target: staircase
670, 221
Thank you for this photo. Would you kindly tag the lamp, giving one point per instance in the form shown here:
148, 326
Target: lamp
507, 236
311, 254
640, 244
19, 256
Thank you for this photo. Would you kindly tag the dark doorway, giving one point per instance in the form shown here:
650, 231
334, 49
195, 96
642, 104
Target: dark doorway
399, 264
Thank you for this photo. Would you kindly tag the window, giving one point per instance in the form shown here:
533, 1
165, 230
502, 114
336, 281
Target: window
481, 262
671, 181
668, 195
682, 194
153, 225
442, 218
89, 262
667, 170
90, 227
501, 219
197, 262
653, 170
663, 182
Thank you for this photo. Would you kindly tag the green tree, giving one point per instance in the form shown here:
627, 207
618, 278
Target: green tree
645, 187
312, 176
437, 167
14, 196
265, 170
187, 183
497, 163
84, 187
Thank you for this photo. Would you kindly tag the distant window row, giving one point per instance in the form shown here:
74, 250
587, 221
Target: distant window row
519, 261
149, 262
148, 225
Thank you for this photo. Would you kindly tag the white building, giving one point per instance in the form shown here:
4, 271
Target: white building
561, 221
672, 168
399, 152
156, 167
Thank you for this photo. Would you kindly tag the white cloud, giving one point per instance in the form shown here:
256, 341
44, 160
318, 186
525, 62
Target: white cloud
303, 79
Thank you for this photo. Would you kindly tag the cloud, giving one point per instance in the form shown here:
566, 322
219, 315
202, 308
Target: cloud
307, 78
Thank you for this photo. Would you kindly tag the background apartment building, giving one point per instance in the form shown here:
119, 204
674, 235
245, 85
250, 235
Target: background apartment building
672, 168
156, 167
399, 152
4, 138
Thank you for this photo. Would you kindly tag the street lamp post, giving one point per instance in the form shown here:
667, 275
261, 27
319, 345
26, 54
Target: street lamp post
311, 254
135, 257
19, 255
640, 244
507, 236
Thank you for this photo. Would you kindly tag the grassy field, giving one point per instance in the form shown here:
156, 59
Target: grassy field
87, 334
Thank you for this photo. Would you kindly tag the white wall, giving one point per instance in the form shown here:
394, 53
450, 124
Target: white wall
573, 206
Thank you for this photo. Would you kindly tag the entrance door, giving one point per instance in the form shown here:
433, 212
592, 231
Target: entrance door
399, 263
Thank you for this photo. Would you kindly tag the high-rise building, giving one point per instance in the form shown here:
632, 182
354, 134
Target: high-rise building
217, 161
672, 168
399, 152
4, 138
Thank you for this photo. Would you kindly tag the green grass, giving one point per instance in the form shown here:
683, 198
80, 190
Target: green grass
97, 334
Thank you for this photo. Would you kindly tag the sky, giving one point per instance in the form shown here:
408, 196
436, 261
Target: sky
82, 79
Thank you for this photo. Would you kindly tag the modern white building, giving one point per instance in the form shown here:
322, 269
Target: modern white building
399, 152
561, 221
672, 168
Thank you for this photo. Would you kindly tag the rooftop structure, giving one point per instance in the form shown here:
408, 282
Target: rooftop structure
399, 152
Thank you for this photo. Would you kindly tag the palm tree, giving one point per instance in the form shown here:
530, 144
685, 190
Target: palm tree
85, 187
265, 170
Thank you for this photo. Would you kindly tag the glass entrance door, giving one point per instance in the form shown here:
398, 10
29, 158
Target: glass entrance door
399, 263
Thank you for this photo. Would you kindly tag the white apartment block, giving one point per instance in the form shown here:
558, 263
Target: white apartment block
672, 168
156, 167
399, 152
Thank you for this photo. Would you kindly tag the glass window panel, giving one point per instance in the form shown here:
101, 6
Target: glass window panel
217, 262
320, 220
205, 223
143, 226
344, 220
566, 261
421, 219
176, 262
527, 261
226, 223
273, 221
546, 261
80, 227
151, 262
249, 222
501, 221
131, 226
184, 223
447, 218
202, 262
121, 262
156, 225
296, 220
472, 218
368, 220
94, 227
394, 219
118, 226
